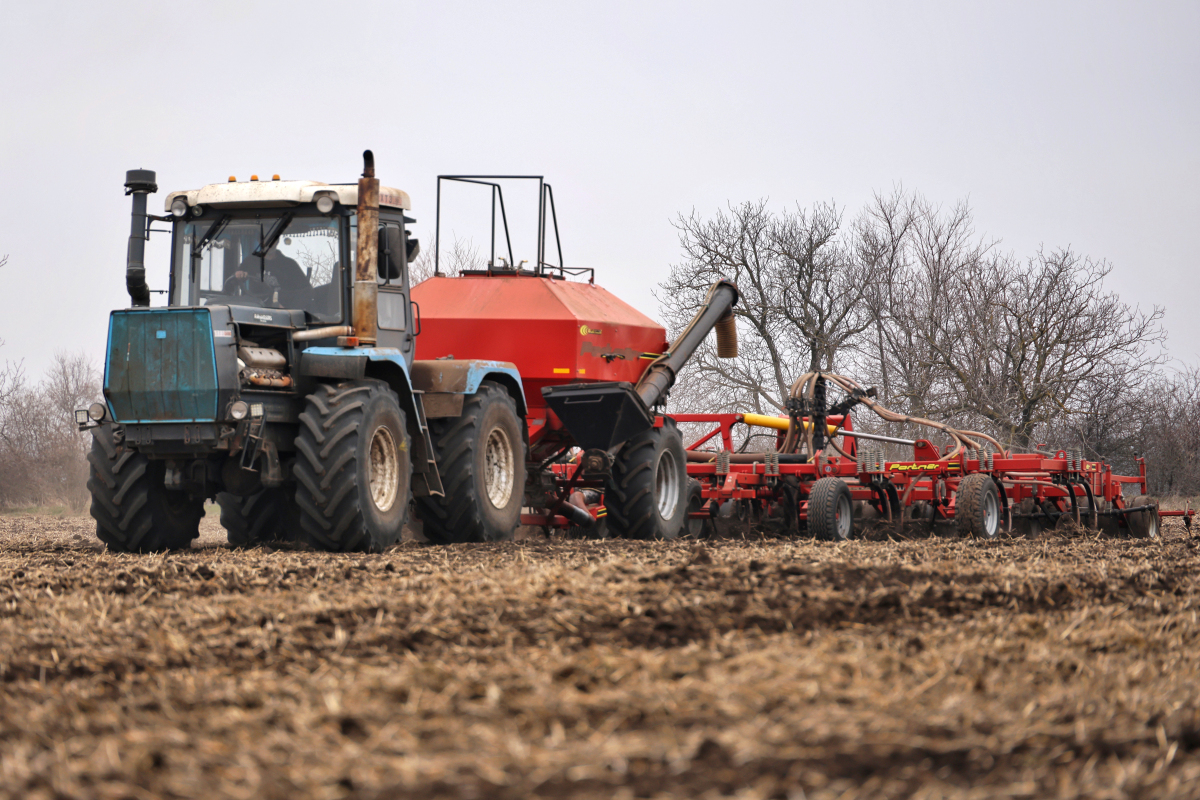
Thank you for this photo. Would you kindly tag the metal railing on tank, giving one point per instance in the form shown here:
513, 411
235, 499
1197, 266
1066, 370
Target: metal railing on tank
545, 203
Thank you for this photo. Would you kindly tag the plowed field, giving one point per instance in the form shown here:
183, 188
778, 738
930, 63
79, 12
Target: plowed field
1064, 666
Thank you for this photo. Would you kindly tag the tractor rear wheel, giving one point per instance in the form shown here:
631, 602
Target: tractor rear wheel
133, 509
977, 507
353, 467
269, 515
830, 510
646, 492
1144, 524
481, 457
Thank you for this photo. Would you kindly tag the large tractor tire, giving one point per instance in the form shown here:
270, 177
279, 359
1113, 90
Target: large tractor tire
481, 458
1144, 524
647, 492
977, 507
830, 510
269, 515
353, 467
133, 509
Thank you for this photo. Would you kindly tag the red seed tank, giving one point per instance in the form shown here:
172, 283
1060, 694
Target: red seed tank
554, 331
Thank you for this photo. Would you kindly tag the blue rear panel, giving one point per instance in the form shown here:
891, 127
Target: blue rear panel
161, 366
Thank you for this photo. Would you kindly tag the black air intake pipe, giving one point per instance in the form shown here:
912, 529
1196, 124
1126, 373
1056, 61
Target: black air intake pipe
139, 183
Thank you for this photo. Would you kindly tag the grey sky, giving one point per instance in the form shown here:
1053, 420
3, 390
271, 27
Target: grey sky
1064, 123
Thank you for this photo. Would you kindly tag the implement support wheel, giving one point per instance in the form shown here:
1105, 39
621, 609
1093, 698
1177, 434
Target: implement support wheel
977, 507
646, 494
830, 512
1144, 524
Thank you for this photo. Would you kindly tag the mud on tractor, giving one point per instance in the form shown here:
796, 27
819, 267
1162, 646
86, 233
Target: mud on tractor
282, 378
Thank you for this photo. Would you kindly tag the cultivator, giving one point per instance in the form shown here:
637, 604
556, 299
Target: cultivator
823, 477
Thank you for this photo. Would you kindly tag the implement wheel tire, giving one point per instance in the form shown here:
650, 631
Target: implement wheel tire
353, 467
647, 494
1026, 526
481, 458
696, 528
830, 510
977, 507
270, 515
1144, 524
134, 511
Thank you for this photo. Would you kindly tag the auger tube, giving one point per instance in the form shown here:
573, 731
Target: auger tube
659, 377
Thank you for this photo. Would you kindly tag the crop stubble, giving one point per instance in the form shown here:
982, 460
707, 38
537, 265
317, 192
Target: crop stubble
1058, 667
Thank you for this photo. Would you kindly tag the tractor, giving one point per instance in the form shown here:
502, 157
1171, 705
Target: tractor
281, 378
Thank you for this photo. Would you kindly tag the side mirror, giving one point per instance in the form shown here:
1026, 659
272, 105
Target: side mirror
390, 248
414, 249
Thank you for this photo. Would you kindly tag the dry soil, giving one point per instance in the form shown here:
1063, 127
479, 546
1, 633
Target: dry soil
1058, 667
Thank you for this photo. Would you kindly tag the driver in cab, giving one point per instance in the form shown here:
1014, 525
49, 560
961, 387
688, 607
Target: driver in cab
279, 277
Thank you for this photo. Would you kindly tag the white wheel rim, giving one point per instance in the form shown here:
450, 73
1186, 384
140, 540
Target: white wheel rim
991, 515
499, 469
384, 469
666, 484
843, 517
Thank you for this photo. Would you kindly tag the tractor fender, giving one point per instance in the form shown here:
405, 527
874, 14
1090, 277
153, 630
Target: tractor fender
446, 382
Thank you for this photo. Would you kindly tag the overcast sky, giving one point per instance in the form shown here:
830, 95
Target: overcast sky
1063, 123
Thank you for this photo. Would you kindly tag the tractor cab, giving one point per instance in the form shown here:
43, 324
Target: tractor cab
288, 245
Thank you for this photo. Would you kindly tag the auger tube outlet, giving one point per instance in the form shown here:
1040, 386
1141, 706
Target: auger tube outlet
659, 377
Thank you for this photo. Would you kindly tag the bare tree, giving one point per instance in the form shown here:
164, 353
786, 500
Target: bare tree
42, 454
801, 300
462, 254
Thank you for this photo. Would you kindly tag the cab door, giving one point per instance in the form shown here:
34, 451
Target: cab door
395, 315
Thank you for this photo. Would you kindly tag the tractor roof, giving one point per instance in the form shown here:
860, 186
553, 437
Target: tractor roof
251, 194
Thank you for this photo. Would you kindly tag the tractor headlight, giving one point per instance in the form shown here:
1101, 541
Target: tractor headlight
179, 207
239, 410
325, 203
81, 416
197, 211
97, 411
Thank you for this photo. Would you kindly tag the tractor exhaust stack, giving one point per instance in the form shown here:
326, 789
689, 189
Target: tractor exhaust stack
366, 265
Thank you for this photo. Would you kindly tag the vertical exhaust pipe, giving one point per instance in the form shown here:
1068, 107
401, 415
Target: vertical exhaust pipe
139, 183
366, 263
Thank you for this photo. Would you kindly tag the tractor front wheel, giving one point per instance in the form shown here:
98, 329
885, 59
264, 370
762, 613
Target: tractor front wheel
269, 515
353, 467
133, 509
481, 458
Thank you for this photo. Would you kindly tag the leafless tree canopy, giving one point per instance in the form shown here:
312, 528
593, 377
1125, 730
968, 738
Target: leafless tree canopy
43, 458
909, 297
461, 254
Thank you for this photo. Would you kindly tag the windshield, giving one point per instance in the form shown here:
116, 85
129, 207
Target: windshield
301, 269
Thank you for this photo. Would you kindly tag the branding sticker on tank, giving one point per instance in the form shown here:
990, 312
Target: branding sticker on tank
608, 353
585, 330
